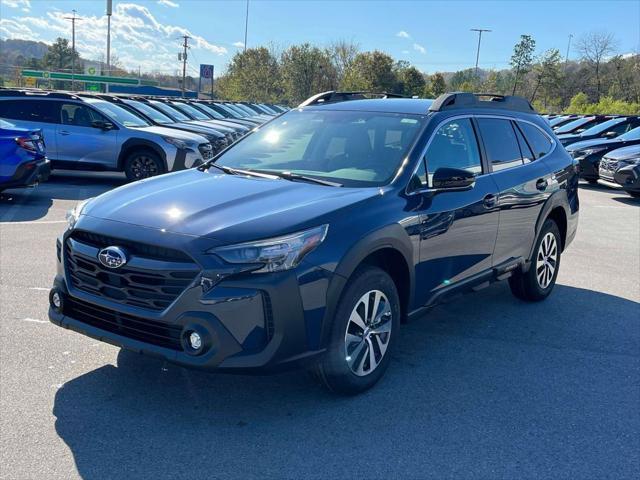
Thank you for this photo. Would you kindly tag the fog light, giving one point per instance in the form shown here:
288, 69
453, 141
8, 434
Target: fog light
56, 300
195, 341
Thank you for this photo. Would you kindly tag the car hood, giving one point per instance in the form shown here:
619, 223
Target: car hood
174, 133
195, 128
625, 152
229, 208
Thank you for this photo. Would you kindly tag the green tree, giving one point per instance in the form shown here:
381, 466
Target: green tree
60, 56
548, 73
579, 103
252, 75
342, 54
410, 79
522, 58
462, 77
370, 71
438, 84
305, 71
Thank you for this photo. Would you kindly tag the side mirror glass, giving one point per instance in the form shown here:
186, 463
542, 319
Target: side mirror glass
452, 178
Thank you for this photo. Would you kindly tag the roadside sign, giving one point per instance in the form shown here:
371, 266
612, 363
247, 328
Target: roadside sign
86, 78
206, 71
29, 82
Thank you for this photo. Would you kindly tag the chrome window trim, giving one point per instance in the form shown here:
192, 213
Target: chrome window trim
554, 145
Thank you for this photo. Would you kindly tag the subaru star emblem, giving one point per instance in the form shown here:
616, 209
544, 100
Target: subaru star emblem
112, 257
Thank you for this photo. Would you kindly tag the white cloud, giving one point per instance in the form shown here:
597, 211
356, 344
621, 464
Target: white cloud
419, 48
238, 44
403, 34
25, 5
168, 3
138, 39
405, 52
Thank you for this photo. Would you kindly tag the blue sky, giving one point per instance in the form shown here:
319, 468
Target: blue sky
434, 36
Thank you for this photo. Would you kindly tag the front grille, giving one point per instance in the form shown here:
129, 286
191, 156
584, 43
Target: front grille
607, 164
153, 278
137, 328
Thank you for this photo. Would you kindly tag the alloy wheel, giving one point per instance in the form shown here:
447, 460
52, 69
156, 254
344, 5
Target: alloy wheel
546, 260
368, 332
143, 167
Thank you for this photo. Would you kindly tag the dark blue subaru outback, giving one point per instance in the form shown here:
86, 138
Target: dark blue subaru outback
311, 240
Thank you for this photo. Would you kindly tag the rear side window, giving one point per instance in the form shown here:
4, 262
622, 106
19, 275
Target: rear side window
78, 115
500, 143
538, 141
527, 154
30, 110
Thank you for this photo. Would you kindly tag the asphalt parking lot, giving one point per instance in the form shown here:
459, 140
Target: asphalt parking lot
483, 387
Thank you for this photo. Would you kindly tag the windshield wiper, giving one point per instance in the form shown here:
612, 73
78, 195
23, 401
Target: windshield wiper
296, 176
237, 171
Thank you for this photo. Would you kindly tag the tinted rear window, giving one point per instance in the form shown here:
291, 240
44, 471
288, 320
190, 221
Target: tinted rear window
30, 110
500, 143
538, 141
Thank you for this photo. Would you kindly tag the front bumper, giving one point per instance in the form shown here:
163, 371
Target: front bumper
628, 178
588, 166
253, 322
29, 174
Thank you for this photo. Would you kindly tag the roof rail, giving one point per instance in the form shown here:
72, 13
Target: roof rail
14, 92
332, 96
454, 100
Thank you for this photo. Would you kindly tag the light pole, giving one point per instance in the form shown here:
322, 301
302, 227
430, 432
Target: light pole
73, 47
566, 58
479, 30
109, 11
246, 26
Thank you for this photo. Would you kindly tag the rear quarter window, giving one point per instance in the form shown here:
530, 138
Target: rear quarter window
30, 110
539, 142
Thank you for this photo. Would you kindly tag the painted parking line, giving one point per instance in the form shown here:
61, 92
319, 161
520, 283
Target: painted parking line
34, 222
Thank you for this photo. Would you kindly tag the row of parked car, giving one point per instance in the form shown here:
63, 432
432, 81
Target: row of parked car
607, 147
140, 136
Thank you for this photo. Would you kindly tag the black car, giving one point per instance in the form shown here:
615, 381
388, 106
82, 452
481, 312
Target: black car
589, 152
622, 167
561, 120
611, 128
310, 240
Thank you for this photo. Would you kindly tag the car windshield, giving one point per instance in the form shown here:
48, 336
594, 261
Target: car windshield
602, 127
194, 112
236, 110
631, 135
171, 112
117, 113
150, 112
7, 125
571, 125
557, 120
358, 149
210, 111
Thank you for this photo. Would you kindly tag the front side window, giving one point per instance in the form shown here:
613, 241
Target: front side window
538, 141
171, 112
78, 115
150, 112
189, 110
500, 143
118, 114
358, 149
454, 145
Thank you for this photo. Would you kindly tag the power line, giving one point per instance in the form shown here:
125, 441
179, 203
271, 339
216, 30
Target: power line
185, 47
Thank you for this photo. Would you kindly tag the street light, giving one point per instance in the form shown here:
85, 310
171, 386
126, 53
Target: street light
109, 11
479, 30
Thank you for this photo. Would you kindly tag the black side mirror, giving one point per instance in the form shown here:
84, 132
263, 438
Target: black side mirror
102, 125
610, 134
452, 178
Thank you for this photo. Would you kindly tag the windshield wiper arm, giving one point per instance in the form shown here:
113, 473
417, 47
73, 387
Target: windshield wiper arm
238, 171
296, 176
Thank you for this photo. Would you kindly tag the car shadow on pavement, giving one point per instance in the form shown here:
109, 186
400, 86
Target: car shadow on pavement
628, 200
29, 204
485, 386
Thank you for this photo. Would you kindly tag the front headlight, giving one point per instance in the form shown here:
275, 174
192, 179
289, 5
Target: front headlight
73, 214
275, 254
181, 144
630, 161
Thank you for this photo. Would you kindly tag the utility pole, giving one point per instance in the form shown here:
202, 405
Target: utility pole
566, 58
479, 30
73, 47
109, 11
246, 26
185, 46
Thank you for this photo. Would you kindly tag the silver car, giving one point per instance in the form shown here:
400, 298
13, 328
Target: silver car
93, 134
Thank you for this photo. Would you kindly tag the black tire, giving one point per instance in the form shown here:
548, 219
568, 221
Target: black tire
143, 164
592, 181
334, 370
527, 286
633, 194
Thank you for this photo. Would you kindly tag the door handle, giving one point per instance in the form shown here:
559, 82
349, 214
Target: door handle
490, 200
541, 184
65, 132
